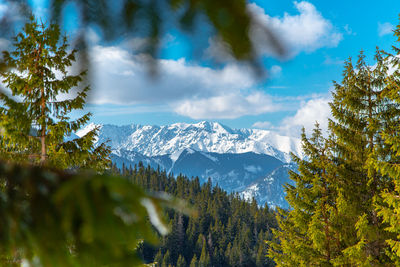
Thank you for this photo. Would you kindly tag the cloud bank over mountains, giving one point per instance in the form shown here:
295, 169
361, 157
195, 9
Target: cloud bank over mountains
188, 89
197, 91
314, 110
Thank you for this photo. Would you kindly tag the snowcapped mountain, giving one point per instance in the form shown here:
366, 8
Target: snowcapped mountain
269, 189
203, 136
249, 161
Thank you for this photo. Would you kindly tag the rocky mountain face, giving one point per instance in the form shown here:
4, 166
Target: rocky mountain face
251, 162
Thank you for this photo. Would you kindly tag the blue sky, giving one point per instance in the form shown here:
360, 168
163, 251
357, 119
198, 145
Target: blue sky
319, 35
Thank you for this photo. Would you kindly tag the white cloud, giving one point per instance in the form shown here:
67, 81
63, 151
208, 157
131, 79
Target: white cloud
311, 111
11, 11
385, 28
263, 125
306, 31
92, 36
227, 106
188, 89
140, 44
4, 44
120, 78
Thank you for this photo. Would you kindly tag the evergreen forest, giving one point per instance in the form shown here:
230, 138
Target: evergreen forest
224, 231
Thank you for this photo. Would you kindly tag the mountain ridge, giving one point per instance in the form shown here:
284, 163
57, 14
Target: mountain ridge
203, 136
252, 162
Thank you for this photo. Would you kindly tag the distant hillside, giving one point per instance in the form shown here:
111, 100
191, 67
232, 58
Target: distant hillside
227, 230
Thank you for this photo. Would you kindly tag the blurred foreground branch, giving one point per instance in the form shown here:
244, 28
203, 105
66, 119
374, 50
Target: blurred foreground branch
57, 218
229, 20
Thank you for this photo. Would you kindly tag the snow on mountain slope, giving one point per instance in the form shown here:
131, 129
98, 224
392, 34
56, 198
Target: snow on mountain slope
203, 136
269, 189
232, 172
248, 161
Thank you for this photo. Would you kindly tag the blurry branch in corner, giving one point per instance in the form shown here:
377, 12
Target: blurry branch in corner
229, 21
64, 218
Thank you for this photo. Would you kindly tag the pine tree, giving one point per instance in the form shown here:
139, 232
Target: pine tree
333, 219
194, 262
35, 120
181, 262
389, 206
158, 258
167, 259
204, 260
357, 108
305, 235
199, 245
261, 256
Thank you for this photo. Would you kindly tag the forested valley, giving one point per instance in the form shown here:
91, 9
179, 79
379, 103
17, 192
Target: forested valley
224, 230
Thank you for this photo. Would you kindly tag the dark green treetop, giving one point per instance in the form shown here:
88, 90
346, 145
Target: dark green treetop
35, 120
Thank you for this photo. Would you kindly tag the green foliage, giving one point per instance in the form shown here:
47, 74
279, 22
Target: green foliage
158, 259
166, 260
194, 262
306, 232
181, 262
52, 217
204, 260
34, 121
389, 206
226, 231
362, 112
343, 201
57, 218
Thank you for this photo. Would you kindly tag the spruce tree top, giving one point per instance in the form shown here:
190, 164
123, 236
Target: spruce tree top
36, 120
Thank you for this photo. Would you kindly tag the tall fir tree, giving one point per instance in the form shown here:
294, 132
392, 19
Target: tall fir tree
204, 260
158, 259
357, 109
194, 262
166, 260
305, 236
389, 206
181, 262
333, 220
34, 119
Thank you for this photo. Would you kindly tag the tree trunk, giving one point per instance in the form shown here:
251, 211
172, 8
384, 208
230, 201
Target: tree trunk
43, 133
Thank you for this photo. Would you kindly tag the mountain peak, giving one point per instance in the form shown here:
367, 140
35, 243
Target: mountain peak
202, 136
204, 125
